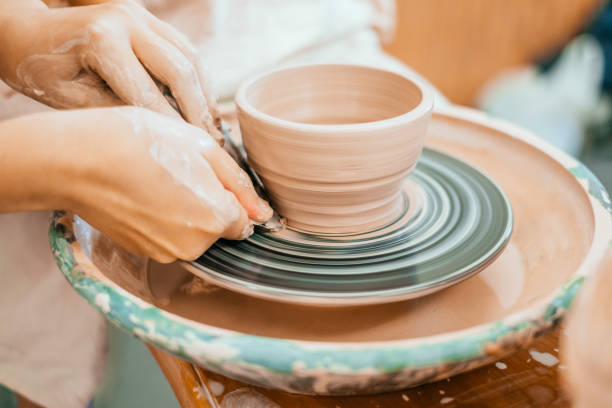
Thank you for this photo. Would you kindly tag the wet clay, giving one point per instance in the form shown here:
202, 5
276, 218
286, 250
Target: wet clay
332, 143
554, 227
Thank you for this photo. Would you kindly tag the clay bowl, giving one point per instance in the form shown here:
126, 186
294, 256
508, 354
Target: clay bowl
562, 229
333, 143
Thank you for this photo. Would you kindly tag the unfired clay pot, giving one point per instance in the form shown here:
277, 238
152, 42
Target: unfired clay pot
332, 143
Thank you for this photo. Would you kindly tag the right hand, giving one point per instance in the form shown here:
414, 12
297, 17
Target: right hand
159, 186
106, 54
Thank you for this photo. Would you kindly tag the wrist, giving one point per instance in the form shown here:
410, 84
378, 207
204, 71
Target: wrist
93, 152
39, 162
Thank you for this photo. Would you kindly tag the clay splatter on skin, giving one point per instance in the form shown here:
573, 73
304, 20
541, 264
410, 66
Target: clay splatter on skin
82, 37
187, 169
183, 171
49, 79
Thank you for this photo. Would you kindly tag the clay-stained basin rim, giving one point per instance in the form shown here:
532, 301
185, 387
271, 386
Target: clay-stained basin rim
423, 107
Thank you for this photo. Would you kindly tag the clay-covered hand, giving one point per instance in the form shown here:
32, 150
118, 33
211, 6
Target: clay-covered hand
164, 188
156, 185
102, 55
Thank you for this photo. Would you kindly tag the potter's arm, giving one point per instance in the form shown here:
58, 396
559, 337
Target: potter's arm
31, 165
102, 55
155, 185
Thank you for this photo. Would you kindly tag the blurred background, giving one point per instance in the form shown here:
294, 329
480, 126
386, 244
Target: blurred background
545, 65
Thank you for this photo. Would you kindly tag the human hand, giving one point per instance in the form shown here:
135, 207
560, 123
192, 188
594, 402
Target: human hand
103, 55
158, 186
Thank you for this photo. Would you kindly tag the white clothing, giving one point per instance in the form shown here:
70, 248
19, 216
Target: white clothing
51, 342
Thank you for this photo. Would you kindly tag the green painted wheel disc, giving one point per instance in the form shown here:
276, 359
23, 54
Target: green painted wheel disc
455, 222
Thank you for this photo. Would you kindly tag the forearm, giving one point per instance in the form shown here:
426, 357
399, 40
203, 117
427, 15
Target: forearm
38, 160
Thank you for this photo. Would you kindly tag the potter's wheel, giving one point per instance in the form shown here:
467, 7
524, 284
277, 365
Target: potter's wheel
455, 221
562, 228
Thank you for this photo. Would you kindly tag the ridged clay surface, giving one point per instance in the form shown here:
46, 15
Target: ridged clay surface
332, 143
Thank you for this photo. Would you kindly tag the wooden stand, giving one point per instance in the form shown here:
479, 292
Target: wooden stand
519, 381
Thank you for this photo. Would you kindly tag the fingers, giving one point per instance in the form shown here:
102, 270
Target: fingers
242, 227
222, 215
182, 43
80, 93
90, 90
170, 66
238, 182
128, 79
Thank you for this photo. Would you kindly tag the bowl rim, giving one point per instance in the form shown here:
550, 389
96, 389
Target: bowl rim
223, 349
420, 110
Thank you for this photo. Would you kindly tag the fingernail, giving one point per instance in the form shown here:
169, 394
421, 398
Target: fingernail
265, 211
